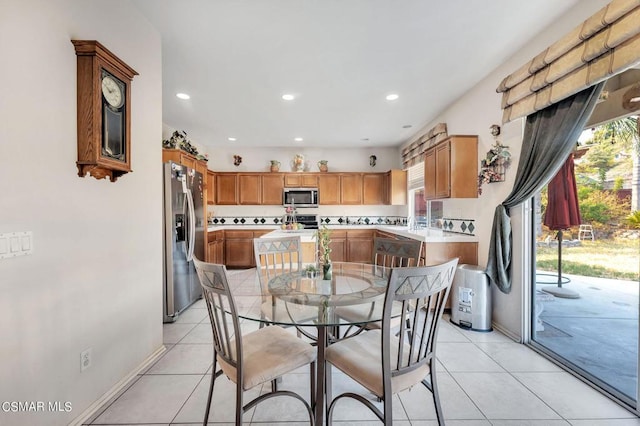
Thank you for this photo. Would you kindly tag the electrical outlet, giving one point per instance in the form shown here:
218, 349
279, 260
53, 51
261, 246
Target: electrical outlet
85, 359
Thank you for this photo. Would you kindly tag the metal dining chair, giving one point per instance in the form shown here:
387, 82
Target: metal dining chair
387, 252
252, 359
386, 363
276, 256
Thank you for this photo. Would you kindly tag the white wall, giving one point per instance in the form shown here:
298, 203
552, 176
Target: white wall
94, 279
474, 114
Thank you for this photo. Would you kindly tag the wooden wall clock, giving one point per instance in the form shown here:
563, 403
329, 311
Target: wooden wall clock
104, 112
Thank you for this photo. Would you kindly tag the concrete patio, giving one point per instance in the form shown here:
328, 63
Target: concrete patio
597, 332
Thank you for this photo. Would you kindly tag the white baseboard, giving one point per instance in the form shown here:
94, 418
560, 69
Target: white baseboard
510, 334
121, 384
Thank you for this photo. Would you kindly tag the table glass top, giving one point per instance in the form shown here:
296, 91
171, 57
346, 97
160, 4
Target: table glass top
293, 298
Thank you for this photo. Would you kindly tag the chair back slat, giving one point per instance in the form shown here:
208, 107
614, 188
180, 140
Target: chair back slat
275, 256
396, 253
222, 311
422, 292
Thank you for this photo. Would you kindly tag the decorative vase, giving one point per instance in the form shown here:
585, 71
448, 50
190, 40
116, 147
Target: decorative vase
322, 165
327, 270
297, 164
275, 165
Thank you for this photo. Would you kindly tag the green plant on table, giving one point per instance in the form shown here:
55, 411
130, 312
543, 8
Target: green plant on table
323, 236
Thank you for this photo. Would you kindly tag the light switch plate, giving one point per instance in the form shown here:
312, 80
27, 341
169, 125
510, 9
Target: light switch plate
14, 244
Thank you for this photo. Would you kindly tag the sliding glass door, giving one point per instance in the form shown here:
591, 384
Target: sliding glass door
585, 300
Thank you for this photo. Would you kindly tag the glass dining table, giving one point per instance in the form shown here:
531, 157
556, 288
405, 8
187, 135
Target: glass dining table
309, 304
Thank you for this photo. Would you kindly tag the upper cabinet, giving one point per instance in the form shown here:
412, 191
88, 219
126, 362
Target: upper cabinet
374, 188
451, 168
249, 188
395, 188
226, 188
329, 188
272, 185
211, 186
301, 180
351, 188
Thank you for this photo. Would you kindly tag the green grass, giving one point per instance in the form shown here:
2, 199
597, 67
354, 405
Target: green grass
617, 259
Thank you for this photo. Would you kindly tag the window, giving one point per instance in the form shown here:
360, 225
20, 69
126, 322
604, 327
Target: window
417, 204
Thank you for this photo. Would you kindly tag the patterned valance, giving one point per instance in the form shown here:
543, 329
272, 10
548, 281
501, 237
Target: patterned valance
604, 45
413, 153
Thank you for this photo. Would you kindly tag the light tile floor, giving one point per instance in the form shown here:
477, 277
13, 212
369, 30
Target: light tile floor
485, 379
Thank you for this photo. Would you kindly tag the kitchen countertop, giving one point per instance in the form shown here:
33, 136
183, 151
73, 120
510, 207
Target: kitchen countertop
426, 235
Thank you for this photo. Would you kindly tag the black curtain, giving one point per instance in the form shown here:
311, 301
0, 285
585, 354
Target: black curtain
549, 137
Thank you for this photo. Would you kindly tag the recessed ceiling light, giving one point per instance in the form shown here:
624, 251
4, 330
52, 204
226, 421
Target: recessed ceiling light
288, 97
183, 96
298, 139
407, 126
232, 139
392, 97
364, 139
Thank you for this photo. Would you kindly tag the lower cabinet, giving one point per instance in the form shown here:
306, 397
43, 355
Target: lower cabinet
215, 247
338, 246
435, 253
238, 248
360, 245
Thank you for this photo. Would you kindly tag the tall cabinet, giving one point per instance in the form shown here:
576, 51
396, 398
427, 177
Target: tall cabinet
451, 168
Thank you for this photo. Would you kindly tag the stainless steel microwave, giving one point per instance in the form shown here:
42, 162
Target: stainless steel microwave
300, 197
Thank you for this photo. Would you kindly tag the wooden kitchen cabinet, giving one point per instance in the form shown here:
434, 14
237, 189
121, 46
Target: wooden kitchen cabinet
211, 186
181, 157
329, 188
436, 253
374, 188
272, 185
360, 245
338, 246
301, 180
396, 188
351, 188
238, 249
451, 168
226, 188
215, 247
249, 189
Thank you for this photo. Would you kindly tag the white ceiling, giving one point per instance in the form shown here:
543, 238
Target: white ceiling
339, 57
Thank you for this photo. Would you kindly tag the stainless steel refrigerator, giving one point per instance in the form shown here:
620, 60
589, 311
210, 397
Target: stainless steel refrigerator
184, 222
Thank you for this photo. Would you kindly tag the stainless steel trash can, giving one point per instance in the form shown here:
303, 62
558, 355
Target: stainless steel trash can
471, 298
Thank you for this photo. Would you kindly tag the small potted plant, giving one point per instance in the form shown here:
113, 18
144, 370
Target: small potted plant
311, 271
324, 242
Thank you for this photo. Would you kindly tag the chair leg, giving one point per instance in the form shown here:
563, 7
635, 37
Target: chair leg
387, 402
239, 406
312, 381
328, 391
213, 380
436, 395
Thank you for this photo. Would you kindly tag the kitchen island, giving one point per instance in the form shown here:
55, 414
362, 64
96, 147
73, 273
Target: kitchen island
349, 243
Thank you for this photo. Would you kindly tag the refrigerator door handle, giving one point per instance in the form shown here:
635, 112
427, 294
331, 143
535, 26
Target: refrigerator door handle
192, 221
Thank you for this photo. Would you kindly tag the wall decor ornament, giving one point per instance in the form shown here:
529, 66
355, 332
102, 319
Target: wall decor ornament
180, 141
494, 166
237, 160
372, 160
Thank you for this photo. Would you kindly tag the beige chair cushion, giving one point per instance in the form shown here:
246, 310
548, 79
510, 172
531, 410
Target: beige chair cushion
268, 354
360, 357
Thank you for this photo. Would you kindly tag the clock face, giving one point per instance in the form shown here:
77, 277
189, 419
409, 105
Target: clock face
112, 91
